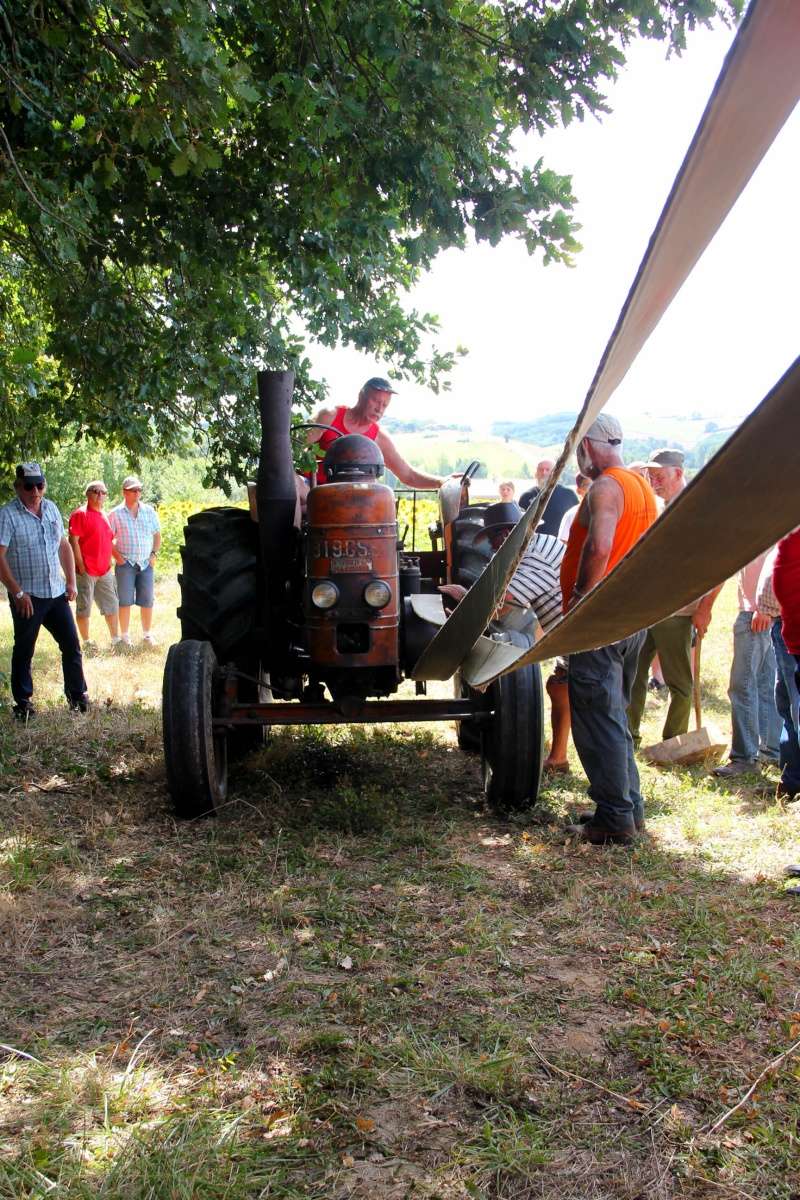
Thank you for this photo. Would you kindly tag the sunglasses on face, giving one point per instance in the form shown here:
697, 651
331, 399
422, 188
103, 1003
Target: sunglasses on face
131, 489
97, 492
30, 486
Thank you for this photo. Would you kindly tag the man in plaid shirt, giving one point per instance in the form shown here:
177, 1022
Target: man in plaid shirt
137, 531
38, 569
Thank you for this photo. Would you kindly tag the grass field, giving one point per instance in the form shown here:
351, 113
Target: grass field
355, 982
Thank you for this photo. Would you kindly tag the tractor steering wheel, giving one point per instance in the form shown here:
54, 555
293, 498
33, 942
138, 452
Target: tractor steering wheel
470, 472
317, 425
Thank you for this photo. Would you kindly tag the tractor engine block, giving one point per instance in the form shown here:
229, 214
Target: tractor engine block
351, 601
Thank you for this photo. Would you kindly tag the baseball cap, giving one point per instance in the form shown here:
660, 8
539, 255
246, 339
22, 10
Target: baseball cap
378, 384
131, 481
605, 428
30, 472
499, 515
667, 458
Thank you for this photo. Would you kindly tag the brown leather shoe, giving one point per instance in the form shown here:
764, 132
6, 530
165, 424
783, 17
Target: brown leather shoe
585, 817
598, 834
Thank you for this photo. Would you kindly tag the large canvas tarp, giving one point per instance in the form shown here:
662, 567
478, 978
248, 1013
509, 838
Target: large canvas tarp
757, 89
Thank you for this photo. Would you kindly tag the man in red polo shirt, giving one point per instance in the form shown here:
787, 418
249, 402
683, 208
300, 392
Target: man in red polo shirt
92, 538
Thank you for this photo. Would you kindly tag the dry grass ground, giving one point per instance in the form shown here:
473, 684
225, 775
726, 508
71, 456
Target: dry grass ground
357, 983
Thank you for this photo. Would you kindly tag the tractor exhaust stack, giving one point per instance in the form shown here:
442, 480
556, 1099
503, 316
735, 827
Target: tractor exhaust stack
276, 499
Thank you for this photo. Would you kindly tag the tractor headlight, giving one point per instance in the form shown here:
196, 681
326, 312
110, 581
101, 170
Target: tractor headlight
324, 595
377, 594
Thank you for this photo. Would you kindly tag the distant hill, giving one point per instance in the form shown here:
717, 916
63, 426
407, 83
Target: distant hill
392, 425
542, 431
514, 447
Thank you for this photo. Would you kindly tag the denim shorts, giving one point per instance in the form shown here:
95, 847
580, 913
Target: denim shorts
134, 585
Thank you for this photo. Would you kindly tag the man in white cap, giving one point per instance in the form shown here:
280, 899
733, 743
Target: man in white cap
137, 531
38, 570
92, 541
670, 639
617, 509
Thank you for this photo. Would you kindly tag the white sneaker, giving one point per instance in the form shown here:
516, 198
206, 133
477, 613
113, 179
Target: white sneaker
148, 639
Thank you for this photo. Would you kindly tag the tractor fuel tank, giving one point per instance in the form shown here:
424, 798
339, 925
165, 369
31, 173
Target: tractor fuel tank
351, 600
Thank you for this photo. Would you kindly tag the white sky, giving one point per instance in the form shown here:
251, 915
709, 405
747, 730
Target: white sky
536, 334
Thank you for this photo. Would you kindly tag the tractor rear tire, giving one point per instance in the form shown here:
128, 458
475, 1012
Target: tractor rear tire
195, 756
220, 584
470, 558
512, 743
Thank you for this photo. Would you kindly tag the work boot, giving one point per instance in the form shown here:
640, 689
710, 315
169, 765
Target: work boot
24, 711
585, 817
79, 703
736, 766
597, 833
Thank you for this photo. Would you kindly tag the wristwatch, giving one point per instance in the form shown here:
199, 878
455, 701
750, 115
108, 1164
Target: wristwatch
19, 595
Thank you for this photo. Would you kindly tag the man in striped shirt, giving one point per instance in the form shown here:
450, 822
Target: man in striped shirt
534, 590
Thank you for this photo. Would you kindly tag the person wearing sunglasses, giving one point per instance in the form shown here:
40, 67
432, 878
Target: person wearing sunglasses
138, 540
92, 541
37, 568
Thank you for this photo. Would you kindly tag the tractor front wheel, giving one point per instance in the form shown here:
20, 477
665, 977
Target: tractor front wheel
195, 755
512, 742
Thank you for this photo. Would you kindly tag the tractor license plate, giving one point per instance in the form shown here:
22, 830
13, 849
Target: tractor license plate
345, 555
344, 566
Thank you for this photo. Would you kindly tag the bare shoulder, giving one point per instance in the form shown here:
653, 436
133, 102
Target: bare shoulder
605, 492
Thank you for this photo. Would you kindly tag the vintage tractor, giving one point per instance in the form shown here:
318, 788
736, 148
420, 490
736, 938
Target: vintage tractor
290, 620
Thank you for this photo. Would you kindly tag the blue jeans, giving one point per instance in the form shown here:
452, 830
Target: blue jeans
600, 683
787, 701
754, 717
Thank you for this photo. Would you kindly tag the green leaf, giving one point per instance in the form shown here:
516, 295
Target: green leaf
180, 163
77, 123
207, 156
246, 91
